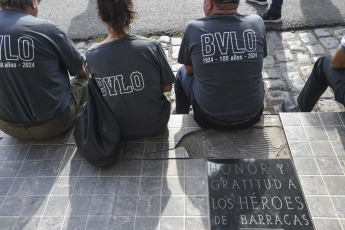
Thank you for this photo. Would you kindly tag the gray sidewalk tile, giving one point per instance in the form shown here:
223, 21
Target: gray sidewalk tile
6, 184
174, 168
295, 133
107, 186
10, 168
197, 223
30, 169
339, 202
43, 186
7, 223
153, 168
37, 152
147, 223
50, 223
131, 168
98, 222
338, 147
306, 166
129, 186
173, 186
102, 205
196, 205
153, 147
175, 134
70, 168
74, 222
320, 206
56, 152
29, 223
85, 186
125, 205
12, 205
315, 133
196, 186
335, 132
112, 170
50, 168
64, 186
88, 169
169, 223
57, 206
195, 167
335, 184
4, 151
79, 205
310, 119
21, 186
17, 152
122, 223
322, 149
150, 186
149, 206
172, 206
330, 119
290, 119
34, 206
313, 185
321, 224
300, 149
329, 166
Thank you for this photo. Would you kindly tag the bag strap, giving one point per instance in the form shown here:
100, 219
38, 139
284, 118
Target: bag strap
86, 71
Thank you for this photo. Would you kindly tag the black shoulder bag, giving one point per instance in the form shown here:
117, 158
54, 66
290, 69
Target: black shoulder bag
97, 134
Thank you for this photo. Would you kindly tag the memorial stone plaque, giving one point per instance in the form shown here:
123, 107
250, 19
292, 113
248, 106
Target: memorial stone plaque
256, 194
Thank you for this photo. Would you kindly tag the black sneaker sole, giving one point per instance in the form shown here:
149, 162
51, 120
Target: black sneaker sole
274, 20
258, 2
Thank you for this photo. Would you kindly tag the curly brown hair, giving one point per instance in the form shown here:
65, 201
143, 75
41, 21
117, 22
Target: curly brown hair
117, 13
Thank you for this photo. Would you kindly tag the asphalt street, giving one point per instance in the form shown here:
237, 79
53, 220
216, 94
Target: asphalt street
168, 17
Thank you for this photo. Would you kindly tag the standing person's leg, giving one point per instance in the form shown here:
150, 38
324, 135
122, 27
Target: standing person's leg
276, 6
273, 14
322, 76
183, 91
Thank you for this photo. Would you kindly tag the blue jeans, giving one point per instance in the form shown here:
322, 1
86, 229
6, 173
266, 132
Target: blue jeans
185, 98
276, 6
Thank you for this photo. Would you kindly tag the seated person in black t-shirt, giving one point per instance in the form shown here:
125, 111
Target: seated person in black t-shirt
222, 55
132, 72
37, 99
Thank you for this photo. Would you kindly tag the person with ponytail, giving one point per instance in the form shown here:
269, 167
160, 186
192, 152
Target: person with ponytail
131, 71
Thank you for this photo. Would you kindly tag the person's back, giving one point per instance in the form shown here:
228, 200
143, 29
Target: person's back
36, 58
223, 54
227, 54
132, 73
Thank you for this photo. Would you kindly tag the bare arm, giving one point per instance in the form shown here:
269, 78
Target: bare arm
338, 60
189, 69
166, 88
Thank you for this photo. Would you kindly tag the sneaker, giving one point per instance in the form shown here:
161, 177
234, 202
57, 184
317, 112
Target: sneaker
269, 17
260, 2
290, 106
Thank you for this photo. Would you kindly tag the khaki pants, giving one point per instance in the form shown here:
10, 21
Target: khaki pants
55, 126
